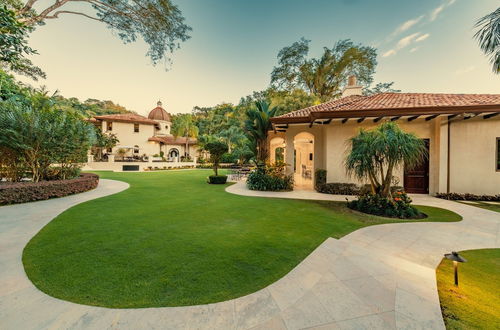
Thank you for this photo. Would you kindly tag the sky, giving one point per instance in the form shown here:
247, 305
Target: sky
423, 46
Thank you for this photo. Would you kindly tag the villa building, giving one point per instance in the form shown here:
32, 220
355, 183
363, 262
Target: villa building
461, 131
145, 139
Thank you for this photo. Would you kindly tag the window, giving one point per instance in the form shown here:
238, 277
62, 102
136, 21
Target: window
136, 128
109, 126
136, 149
166, 126
109, 150
498, 154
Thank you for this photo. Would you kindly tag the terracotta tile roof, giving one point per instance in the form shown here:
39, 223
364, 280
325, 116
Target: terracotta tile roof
159, 113
128, 117
392, 101
169, 139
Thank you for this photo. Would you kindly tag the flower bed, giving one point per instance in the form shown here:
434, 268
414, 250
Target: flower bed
397, 207
468, 197
22, 192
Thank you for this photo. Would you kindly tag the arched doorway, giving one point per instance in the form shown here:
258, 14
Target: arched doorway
303, 160
173, 155
277, 150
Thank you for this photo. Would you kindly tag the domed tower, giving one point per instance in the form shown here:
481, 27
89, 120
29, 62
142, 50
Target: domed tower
163, 118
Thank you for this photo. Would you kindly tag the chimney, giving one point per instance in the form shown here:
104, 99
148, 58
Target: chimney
352, 87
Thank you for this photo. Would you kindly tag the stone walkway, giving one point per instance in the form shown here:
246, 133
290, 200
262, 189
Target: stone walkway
378, 277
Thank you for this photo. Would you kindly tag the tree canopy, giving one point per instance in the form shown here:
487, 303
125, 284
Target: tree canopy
324, 76
158, 22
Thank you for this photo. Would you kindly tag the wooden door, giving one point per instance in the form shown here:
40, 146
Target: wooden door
416, 180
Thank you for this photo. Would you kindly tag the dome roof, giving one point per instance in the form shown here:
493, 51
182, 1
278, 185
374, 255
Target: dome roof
159, 113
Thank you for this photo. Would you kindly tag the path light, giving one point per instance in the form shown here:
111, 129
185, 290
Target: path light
456, 258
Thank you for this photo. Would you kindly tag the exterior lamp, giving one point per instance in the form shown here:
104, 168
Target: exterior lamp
456, 258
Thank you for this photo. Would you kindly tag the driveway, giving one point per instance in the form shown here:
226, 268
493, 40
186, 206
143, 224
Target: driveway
378, 277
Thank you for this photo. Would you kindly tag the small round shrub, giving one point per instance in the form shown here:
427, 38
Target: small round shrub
397, 207
270, 178
217, 179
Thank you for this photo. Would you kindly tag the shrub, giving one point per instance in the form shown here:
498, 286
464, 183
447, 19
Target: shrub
217, 179
337, 188
319, 179
229, 158
468, 197
398, 207
22, 192
270, 178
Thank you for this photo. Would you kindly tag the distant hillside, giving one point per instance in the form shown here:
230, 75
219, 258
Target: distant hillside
91, 107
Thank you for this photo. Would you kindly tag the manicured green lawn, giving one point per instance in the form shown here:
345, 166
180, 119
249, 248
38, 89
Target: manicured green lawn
171, 239
488, 206
475, 304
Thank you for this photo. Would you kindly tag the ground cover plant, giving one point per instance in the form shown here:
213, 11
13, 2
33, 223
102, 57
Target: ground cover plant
172, 240
475, 304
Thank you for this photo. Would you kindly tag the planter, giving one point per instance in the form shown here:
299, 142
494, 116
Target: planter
217, 179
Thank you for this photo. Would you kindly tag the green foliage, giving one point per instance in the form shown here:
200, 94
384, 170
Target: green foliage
216, 150
14, 45
375, 153
397, 207
217, 179
324, 76
38, 135
319, 178
488, 36
257, 126
270, 178
89, 107
158, 22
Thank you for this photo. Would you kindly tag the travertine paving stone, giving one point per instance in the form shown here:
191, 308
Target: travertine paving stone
378, 277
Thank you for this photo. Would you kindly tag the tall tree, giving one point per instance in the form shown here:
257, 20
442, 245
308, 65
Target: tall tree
158, 22
324, 76
14, 45
257, 126
183, 125
488, 36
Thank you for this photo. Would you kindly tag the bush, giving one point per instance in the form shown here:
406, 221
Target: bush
398, 207
337, 188
229, 158
22, 192
217, 179
319, 179
270, 178
468, 197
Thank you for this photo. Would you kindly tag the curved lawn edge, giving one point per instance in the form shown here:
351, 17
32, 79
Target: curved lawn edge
255, 289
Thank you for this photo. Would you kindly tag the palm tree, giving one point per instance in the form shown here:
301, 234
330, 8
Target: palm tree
375, 154
184, 125
488, 37
257, 126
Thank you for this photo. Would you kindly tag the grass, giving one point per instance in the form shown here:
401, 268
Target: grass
488, 206
171, 240
475, 304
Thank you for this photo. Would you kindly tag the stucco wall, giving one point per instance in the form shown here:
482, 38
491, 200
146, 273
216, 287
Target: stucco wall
473, 156
473, 153
125, 133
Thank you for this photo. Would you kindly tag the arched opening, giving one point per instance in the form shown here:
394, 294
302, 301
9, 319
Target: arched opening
277, 150
303, 160
173, 155
136, 150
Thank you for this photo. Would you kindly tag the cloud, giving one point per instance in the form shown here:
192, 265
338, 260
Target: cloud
436, 11
414, 49
422, 37
389, 53
403, 42
465, 70
408, 24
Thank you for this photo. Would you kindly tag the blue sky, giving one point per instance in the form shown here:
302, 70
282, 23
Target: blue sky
423, 46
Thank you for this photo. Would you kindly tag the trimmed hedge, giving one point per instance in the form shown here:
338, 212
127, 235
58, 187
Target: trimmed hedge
217, 179
23, 192
468, 197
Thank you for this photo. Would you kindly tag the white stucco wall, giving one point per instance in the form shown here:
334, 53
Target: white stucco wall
473, 153
473, 156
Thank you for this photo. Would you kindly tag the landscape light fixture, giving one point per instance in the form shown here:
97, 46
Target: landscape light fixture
456, 258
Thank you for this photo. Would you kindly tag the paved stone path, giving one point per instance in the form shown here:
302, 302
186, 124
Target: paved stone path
378, 277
